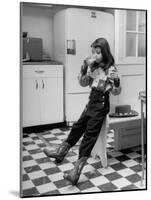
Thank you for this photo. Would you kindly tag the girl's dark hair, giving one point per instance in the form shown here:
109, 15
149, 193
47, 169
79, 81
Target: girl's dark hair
108, 59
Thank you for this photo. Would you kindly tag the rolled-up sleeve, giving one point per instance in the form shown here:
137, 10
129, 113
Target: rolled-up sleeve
116, 87
116, 90
84, 80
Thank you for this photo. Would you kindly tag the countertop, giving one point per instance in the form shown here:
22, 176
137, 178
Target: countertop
51, 62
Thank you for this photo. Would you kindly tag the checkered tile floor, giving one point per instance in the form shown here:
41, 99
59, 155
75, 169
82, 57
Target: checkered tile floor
42, 176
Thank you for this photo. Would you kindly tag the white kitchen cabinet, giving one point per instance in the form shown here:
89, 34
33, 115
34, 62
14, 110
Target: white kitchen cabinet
51, 100
42, 94
31, 102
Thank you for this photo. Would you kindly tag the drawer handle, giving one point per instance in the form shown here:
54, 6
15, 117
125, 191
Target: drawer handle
40, 71
36, 84
43, 85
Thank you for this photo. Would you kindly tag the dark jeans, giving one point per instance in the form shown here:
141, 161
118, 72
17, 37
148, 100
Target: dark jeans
90, 122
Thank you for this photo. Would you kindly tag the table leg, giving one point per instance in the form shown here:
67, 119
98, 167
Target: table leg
142, 142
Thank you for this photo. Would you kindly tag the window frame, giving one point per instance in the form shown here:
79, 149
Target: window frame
120, 39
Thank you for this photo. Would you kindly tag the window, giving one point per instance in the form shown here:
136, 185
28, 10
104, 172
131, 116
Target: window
130, 36
135, 34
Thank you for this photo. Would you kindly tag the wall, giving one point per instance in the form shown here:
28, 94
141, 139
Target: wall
38, 23
132, 81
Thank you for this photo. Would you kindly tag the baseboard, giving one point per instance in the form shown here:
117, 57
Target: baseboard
41, 128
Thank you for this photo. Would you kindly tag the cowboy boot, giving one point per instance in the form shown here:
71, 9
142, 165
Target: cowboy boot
74, 175
60, 153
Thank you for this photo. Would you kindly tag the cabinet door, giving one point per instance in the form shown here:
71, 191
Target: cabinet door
31, 102
51, 100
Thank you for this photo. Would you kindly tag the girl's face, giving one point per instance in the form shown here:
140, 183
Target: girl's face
96, 54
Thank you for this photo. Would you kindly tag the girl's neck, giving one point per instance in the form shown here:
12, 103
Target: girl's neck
101, 65
96, 65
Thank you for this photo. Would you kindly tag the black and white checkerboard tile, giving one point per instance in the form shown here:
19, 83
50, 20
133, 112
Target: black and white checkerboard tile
42, 176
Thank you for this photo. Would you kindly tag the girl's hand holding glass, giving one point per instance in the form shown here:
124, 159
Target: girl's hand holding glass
89, 60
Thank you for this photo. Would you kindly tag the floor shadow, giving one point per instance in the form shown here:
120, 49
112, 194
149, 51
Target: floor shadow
14, 193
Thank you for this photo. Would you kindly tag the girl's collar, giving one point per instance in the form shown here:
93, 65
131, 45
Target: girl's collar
101, 64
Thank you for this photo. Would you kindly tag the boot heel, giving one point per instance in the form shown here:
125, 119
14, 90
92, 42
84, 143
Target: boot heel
75, 182
59, 160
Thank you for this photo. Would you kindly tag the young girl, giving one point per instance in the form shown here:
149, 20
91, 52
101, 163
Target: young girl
99, 73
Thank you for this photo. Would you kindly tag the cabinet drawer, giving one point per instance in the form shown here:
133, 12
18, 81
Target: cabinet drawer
42, 71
